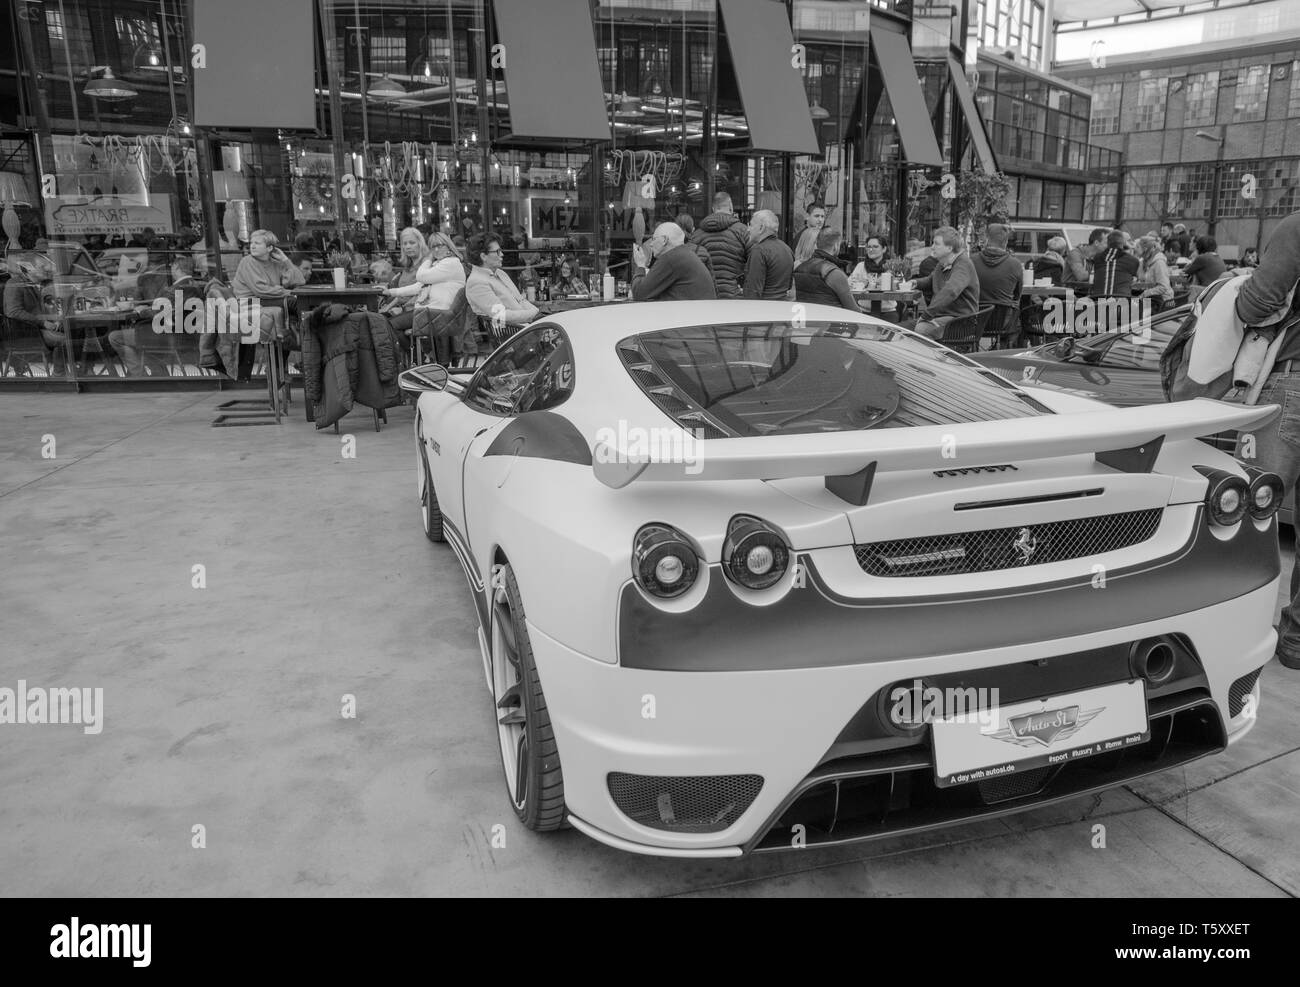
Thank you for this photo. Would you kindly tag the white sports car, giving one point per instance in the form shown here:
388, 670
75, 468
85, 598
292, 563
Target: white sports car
747, 582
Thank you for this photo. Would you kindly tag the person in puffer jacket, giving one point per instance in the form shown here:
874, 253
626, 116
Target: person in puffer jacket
727, 240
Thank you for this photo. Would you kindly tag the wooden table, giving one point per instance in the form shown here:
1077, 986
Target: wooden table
106, 318
875, 299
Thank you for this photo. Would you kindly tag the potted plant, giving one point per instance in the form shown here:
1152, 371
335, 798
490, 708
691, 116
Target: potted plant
896, 271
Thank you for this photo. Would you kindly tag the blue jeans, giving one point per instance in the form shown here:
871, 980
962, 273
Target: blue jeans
1277, 448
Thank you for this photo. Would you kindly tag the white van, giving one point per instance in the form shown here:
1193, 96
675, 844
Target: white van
1029, 240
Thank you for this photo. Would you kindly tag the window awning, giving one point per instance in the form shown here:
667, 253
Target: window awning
980, 139
894, 56
552, 75
771, 88
261, 78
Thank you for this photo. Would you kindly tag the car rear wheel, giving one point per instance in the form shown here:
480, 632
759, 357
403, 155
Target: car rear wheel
429, 510
529, 755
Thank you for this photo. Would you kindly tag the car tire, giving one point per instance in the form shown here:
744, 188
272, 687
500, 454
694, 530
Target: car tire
430, 513
529, 755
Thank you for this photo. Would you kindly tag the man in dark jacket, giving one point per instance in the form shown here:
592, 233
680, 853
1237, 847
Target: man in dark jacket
1113, 272
955, 284
687, 222
821, 280
666, 268
1001, 275
1274, 446
771, 262
727, 241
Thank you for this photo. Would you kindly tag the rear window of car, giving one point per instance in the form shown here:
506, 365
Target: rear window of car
751, 379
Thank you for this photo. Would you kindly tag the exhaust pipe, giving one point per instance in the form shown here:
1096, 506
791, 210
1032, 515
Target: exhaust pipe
1152, 660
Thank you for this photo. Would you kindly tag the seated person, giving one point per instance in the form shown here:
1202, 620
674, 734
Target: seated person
567, 282
489, 290
820, 280
24, 311
954, 283
1001, 276
1206, 265
268, 275
1114, 270
666, 269
403, 290
1053, 263
153, 282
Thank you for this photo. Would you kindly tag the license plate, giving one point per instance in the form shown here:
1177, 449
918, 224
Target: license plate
1038, 733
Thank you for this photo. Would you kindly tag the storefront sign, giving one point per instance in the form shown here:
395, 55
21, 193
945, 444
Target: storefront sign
108, 215
554, 218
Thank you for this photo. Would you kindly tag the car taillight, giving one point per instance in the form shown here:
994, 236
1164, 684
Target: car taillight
1264, 498
754, 554
1228, 496
664, 562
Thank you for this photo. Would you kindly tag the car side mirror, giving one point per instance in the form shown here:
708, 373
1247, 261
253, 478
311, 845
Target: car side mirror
429, 377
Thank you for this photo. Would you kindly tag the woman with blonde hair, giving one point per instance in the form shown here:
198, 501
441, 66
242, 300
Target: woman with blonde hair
404, 289
442, 277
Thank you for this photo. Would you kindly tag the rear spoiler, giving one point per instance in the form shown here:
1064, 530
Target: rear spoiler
1126, 438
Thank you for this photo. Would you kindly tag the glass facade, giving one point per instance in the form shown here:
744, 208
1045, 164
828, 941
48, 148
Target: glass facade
413, 128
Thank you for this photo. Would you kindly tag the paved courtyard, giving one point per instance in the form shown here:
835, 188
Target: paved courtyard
222, 704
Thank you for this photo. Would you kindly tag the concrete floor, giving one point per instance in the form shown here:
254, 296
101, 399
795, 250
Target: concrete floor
222, 704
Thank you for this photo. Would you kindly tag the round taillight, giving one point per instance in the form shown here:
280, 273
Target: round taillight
1227, 498
1265, 495
664, 563
754, 555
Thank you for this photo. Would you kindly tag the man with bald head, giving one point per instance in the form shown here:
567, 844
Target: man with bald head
770, 269
665, 269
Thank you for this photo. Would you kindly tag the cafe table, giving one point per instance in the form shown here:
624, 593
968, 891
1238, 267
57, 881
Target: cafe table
873, 300
311, 295
556, 305
104, 321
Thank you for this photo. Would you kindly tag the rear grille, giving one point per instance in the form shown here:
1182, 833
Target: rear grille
1238, 692
691, 804
1007, 548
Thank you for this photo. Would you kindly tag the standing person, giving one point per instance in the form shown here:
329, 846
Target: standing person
1206, 265
1166, 234
1153, 271
771, 262
666, 269
727, 241
404, 290
489, 290
820, 280
814, 220
955, 284
1113, 271
687, 222
1001, 276
1276, 445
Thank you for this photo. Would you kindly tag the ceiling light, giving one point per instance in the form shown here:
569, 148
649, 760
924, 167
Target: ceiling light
818, 111
386, 87
107, 86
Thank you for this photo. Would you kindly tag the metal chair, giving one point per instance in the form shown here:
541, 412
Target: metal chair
963, 334
1002, 327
